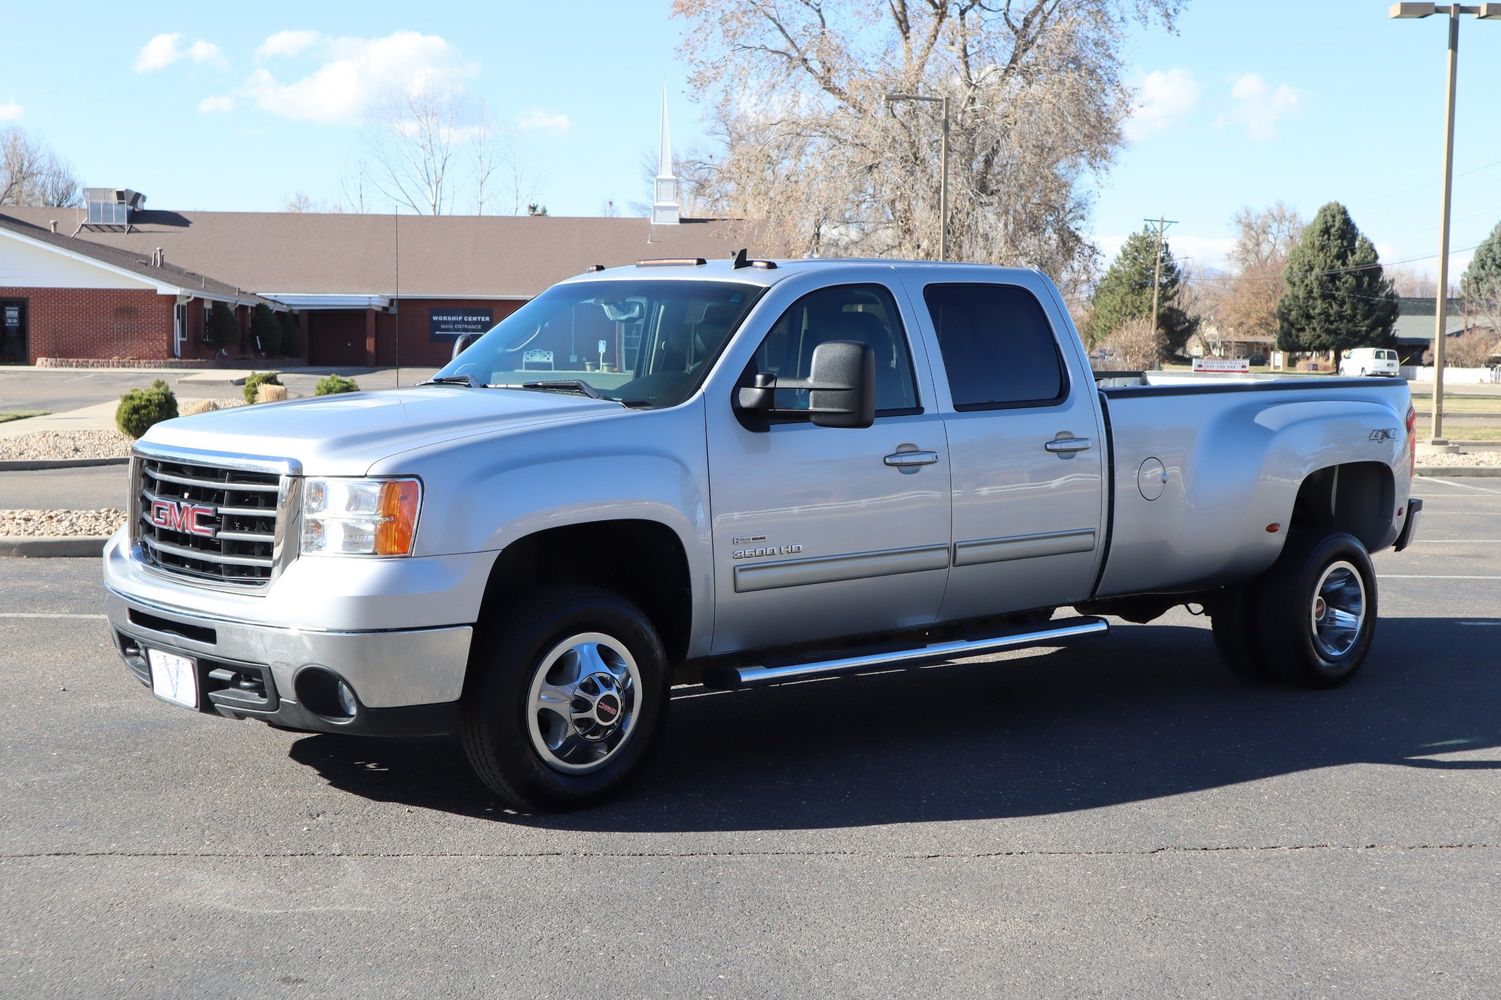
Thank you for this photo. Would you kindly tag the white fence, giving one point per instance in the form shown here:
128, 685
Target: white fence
1453, 376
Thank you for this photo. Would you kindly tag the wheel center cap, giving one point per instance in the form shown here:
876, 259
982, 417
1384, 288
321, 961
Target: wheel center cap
607, 709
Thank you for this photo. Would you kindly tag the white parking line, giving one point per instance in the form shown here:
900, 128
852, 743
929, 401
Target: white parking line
1430, 576
1481, 624
46, 614
1463, 486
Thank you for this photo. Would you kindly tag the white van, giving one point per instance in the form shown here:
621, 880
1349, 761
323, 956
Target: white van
1369, 361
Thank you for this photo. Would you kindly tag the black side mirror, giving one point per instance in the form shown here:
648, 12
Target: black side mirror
841, 388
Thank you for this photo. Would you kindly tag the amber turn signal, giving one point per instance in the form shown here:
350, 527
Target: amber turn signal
399, 500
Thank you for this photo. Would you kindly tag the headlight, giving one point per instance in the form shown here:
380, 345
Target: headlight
366, 517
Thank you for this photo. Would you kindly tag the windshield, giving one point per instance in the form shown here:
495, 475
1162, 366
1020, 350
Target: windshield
644, 343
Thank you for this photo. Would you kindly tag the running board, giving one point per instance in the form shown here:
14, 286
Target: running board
754, 676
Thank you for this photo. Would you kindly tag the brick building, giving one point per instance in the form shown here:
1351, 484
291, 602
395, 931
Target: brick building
63, 297
113, 279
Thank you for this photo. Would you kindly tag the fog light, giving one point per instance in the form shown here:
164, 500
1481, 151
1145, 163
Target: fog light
346, 699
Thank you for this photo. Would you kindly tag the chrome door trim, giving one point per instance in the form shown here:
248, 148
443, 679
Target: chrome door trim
1049, 543
834, 569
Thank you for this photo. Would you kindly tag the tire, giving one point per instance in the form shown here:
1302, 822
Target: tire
1362, 373
567, 692
1235, 618
1317, 610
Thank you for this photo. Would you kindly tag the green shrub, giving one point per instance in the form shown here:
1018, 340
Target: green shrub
330, 385
256, 379
265, 331
289, 333
140, 408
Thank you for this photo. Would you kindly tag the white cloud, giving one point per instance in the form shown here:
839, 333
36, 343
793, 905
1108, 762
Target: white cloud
286, 43
1162, 100
356, 74
216, 105
159, 53
206, 52
10, 111
165, 49
537, 120
1257, 106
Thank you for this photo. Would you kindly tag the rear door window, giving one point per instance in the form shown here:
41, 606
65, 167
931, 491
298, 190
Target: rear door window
998, 347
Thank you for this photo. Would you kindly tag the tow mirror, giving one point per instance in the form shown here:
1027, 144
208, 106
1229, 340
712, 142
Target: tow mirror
841, 388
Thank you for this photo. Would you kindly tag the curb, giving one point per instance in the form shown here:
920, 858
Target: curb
62, 547
37, 464
1460, 471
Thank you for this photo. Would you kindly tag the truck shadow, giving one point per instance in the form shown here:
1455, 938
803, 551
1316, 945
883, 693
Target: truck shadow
1148, 713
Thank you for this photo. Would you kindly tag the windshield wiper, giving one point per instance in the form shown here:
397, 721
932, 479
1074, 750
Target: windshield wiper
464, 380
566, 385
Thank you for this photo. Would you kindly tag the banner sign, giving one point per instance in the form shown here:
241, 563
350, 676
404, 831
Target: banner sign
1242, 365
446, 322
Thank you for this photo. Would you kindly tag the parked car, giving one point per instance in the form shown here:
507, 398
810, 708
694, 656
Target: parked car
803, 468
1364, 361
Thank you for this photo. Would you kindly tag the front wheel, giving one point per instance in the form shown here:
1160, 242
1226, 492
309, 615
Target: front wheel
567, 692
1318, 610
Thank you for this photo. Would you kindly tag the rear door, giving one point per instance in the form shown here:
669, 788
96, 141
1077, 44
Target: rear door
1025, 441
830, 531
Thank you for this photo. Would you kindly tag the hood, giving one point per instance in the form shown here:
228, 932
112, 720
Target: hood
343, 435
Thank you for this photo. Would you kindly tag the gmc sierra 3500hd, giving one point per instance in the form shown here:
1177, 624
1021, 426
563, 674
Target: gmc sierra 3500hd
738, 473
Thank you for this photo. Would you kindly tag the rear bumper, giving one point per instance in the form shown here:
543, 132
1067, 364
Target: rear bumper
405, 682
1410, 526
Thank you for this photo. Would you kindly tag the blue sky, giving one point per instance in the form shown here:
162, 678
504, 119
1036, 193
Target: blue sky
236, 106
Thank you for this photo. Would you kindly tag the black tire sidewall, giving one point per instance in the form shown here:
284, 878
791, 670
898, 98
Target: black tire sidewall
507, 655
1287, 603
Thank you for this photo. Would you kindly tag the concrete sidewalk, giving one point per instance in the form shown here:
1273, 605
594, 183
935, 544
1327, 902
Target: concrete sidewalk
99, 417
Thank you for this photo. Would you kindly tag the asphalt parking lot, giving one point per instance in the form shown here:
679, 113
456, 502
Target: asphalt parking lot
1121, 818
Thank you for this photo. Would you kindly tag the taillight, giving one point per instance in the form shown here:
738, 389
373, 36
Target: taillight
1412, 441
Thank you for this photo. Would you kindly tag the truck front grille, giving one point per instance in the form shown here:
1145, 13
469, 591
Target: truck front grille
210, 523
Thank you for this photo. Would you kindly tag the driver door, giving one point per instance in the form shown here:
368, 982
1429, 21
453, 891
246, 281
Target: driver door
821, 532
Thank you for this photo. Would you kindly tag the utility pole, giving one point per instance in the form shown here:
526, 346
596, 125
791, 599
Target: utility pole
1485, 12
1161, 225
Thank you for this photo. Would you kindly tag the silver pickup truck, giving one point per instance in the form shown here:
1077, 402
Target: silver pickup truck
738, 473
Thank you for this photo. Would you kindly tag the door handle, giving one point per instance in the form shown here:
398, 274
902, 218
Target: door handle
1068, 445
910, 459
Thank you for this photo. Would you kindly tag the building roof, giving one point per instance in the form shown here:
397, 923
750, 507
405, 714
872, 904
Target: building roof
414, 256
1415, 315
132, 261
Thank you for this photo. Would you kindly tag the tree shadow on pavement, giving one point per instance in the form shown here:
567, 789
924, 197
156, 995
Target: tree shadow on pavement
1148, 712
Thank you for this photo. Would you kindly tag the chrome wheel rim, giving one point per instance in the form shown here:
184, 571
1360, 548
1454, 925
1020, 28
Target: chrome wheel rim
583, 702
1337, 614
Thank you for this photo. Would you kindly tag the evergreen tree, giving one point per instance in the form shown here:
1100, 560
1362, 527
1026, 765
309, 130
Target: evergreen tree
1336, 298
1481, 282
265, 331
221, 330
1125, 293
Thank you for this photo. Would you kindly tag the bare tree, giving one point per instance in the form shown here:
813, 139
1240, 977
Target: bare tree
1411, 283
1248, 307
812, 150
301, 201
412, 145
1135, 345
1265, 236
1473, 348
32, 174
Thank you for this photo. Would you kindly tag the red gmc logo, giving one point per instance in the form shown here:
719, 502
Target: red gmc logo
182, 517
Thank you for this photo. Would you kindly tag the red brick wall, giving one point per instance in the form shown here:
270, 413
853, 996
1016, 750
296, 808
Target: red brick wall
412, 320
95, 322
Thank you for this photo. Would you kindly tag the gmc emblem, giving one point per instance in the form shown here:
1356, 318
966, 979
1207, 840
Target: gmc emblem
182, 517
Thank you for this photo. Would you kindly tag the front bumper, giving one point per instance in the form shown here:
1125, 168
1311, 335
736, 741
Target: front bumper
405, 682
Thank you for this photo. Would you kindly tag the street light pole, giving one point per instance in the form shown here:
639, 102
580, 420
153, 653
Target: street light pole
1484, 11
943, 181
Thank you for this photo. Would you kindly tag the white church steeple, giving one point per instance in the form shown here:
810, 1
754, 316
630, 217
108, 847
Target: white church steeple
665, 206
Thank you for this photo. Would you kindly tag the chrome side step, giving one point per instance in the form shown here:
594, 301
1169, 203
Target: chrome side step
754, 676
